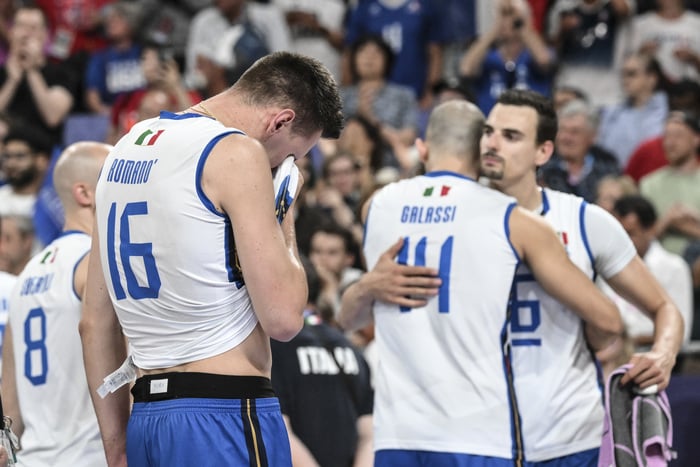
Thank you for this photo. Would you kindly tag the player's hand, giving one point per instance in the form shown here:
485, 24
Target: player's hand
650, 368
401, 284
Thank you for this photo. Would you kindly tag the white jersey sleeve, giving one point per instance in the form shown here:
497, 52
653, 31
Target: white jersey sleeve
609, 244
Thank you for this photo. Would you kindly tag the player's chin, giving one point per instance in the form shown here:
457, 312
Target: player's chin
492, 173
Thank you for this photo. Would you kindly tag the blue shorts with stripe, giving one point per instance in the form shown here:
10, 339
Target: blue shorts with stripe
189, 432
405, 458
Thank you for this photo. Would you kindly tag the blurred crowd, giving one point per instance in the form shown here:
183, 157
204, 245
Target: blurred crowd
624, 76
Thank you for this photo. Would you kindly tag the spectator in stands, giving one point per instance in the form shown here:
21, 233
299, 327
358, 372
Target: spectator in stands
389, 106
339, 190
161, 72
672, 34
335, 253
577, 164
510, 55
638, 217
564, 94
116, 69
316, 28
24, 159
414, 31
34, 91
74, 28
17, 244
323, 384
674, 190
588, 35
209, 26
363, 141
642, 113
613, 187
7, 13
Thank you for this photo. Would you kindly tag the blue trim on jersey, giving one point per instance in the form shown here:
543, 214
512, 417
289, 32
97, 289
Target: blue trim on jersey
545, 203
165, 115
517, 444
584, 237
75, 268
506, 227
200, 169
442, 173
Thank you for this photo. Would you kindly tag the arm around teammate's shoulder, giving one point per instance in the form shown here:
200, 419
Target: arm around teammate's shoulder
237, 179
538, 245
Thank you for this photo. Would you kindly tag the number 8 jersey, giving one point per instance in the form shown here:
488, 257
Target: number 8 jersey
54, 399
167, 254
442, 382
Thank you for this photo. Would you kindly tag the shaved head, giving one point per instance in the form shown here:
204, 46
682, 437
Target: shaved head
80, 163
455, 128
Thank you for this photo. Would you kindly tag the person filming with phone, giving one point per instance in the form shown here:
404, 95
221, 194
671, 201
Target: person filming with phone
511, 54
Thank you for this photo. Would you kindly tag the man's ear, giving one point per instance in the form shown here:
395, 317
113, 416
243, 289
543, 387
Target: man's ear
281, 119
422, 148
544, 152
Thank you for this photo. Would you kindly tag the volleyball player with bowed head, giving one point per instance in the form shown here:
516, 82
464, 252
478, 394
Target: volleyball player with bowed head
195, 270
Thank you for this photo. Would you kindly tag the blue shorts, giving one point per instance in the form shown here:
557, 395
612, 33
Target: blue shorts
197, 432
402, 458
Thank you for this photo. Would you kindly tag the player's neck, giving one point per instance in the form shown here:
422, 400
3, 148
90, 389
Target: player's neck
81, 220
451, 164
527, 192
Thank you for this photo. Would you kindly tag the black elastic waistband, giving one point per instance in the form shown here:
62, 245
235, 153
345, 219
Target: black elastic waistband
166, 386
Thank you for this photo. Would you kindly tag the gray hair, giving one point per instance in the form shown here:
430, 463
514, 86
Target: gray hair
580, 107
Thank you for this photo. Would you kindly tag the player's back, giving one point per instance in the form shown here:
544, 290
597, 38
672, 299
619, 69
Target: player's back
442, 367
167, 253
60, 423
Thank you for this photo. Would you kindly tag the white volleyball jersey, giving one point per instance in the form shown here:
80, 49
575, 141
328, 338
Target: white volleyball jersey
557, 382
442, 382
7, 282
168, 255
60, 426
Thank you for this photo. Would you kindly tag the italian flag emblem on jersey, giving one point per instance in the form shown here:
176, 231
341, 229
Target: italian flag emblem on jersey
442, 191
148, 138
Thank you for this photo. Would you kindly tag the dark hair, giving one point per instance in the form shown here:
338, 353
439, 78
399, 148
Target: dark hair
546, 115
333, 228
578, 93
326, 167
684, 93
313, 280
35, 138
638, 205
379, 144
300, 83
652, 66
379, 42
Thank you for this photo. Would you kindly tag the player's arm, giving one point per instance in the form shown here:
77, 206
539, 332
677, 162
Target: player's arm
237, 179
301, 456
104, 350
539, 247
387, 282
636, 284
617, 261
10, 401
364, 453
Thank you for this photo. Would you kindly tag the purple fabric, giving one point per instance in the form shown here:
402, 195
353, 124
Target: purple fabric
638, 429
